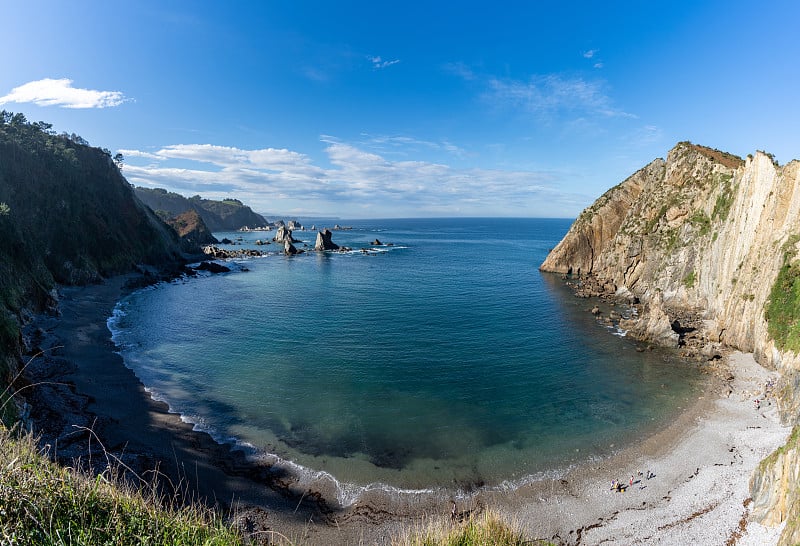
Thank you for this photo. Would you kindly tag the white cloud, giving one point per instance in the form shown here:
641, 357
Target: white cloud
50, 92
356, 180
590, 53
378, 62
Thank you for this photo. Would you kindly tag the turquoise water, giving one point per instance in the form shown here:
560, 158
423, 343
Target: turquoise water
445, 360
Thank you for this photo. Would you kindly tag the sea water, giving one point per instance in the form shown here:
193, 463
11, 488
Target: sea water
441, 359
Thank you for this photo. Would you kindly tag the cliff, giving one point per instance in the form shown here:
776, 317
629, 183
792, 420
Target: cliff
227, 215
706, 242
67, 216
192, 231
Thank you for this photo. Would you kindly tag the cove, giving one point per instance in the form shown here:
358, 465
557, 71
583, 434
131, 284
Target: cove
446, 360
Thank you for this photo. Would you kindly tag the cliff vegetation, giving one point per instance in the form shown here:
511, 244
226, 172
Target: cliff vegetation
67, 216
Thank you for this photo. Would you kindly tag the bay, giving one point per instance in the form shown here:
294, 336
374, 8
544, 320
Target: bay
444, 360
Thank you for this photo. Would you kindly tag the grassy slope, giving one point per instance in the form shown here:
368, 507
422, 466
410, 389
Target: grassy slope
44, 503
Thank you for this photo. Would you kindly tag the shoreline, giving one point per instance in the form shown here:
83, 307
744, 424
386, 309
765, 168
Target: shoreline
702, 461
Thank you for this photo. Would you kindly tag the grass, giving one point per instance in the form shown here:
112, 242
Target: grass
44, 503
486, 529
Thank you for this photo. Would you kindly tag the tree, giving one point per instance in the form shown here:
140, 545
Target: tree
119, 159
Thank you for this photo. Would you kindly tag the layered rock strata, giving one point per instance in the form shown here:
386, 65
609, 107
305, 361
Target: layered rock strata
698, 240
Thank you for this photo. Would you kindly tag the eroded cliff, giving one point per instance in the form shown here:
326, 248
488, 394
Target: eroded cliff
704, 235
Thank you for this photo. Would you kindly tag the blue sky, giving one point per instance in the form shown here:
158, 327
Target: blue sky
404, 109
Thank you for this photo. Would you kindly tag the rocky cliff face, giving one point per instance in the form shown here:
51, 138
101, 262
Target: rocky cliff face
227, 215
192, 231
704, 235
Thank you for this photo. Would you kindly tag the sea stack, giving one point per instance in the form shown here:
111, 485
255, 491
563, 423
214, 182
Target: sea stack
324, 241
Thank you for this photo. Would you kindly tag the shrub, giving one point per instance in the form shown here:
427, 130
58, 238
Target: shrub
782, 310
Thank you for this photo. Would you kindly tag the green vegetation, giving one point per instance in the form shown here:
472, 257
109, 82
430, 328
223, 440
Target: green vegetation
690, 279
771, 158
66, 216
782, 310
43, 503
701, 221
487, 529
722, 206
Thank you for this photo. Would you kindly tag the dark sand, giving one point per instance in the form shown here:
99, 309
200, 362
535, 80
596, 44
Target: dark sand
85, 383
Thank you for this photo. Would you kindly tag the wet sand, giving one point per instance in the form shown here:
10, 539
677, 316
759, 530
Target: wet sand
702, 462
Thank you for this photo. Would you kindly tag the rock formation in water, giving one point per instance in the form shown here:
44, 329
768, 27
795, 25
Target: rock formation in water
289, 249
284, 234
708, 243
324, 241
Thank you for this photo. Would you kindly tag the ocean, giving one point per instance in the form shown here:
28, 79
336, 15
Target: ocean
442, 359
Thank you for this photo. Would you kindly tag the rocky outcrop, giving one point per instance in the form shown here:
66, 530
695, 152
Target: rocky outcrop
224, 254
699, 240
324, 241
284, 234
191, 230
213, 267
225, 215
289, 249
773, 488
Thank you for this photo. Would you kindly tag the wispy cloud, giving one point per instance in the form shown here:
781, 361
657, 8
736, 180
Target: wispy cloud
406, 145
355, 180
590, 53
461, 70
554, 94
378, 62
50, 92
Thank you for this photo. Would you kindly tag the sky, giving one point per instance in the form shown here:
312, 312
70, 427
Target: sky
404, 109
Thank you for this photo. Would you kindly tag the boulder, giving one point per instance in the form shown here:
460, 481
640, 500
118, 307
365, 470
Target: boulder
212, 267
